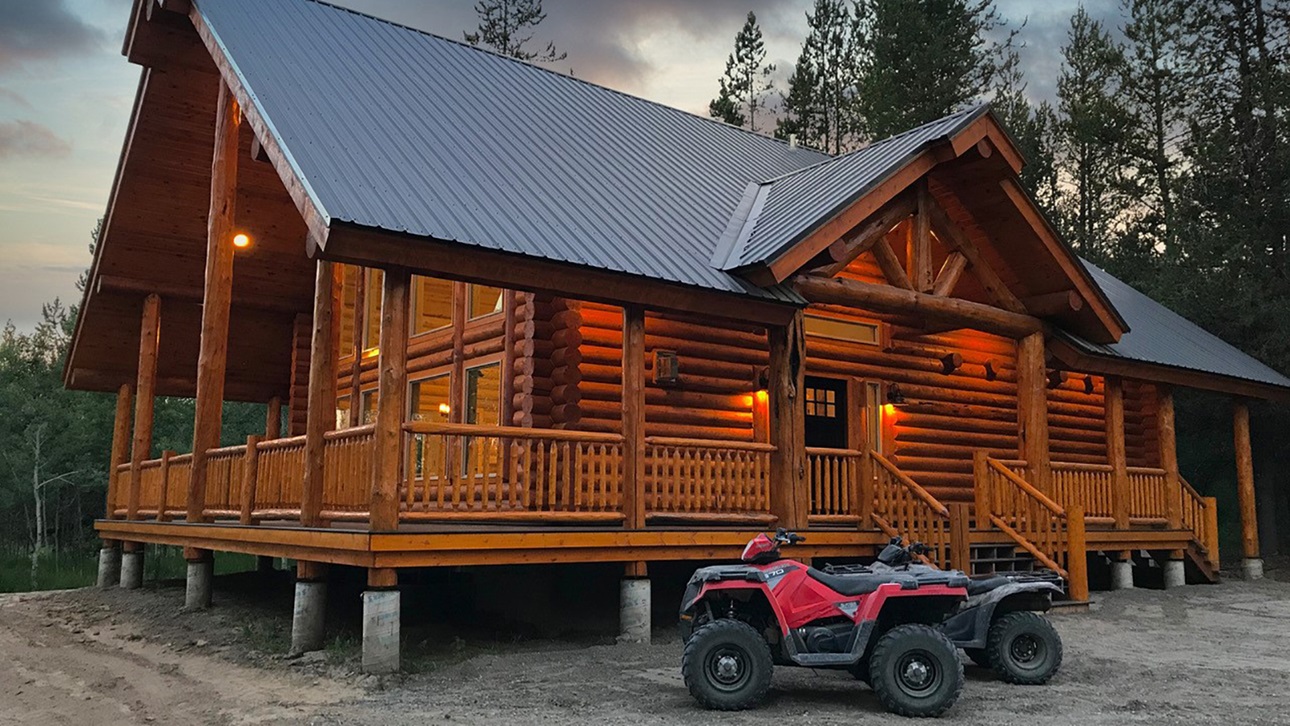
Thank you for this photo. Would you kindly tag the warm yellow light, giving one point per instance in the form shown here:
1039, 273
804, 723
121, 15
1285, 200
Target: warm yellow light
889, 409
763, 396
371, 352
445, 409
241, 241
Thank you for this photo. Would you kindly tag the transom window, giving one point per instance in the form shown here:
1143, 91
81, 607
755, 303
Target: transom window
856, 331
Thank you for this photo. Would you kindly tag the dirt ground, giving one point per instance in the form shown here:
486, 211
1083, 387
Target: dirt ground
1200, 654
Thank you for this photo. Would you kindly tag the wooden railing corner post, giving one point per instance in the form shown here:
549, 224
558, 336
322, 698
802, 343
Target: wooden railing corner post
1076, 554
250, 473
164, 496
866, 490
981, 487
960, 537
1211, 530
633, 417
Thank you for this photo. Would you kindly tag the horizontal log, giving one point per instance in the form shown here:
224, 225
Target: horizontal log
657, 428
1054, 303
430, 428
868, 296
730, 518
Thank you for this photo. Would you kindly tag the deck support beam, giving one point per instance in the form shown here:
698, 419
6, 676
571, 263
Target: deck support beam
217, 299
392, 396
109, 565
1116, 455
201, 573
634, 610
1122, 574
132, 566
146, 386
633, 417
789, 497
1253, 564
1032, 409
321, 406
381, 605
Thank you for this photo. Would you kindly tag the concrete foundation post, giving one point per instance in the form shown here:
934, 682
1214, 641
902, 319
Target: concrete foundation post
634, 610
197, 592
1252, 568
1122, 575
109, 566
381, 631
1175, 574
132, 568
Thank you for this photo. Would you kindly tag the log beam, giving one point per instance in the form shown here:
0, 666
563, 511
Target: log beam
954, 238
212, 359
273, 419
146, 387
919, 254
844, 251
387, 453
321, 398
1245, 480
1167, 431
1032, 409
1055, 303
633, 416
890, 263
120, 446
888, 299
1115, 452
950, 273
788, 423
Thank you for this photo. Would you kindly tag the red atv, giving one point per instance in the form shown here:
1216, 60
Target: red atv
881, 623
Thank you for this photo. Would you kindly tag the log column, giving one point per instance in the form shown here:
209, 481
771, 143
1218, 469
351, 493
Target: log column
1032, 409
216, 300
789, 496
110, 553
387, 454
1168, 443
1253, 564
633, 417
146, 385
321, 406
1115, 452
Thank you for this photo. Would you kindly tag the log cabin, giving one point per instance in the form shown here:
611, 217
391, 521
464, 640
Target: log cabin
501, 315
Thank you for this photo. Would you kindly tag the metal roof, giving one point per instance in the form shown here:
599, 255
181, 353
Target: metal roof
393, 128
777, 213
1160, 336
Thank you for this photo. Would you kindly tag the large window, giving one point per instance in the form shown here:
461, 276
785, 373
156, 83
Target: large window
372, 309
431, 304
348, 316
342, 412
484, 395
873, 412
484, 300
431, 399
367, 403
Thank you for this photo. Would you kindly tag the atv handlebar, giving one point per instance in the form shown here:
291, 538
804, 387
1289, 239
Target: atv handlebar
783, 536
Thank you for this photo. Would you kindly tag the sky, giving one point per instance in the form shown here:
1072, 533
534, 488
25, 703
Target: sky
66, 93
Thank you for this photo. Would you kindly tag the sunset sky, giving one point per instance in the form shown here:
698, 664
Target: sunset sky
66, 92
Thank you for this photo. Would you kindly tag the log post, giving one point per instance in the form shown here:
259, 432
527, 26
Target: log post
120, 446
1032, 409
146, 385
1253, 566
858, 440
273, 419
981, 488
920, 243
250, 473
321, 406
1076, 554
1115, 452
166, 456
633, 416
358, 327
216, 300
960, 538
1167, 431
788, 423
391, 400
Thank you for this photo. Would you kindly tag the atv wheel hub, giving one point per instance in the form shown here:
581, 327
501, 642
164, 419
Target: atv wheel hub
917, 673
1024, 648
727, 668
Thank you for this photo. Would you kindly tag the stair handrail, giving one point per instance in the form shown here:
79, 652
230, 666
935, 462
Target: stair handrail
938, 537
913, 486
1204, 525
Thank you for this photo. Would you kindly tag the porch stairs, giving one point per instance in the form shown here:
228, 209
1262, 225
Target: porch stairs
1013, 527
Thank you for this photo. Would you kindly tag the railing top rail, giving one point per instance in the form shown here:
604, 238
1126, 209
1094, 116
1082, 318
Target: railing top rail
1026, 487
910, 484
1189, 489
150, 464
226, 451
275, 444
708, 444
349, 433
825, 451
1077, 466
1145, 470
181, 459
510, 432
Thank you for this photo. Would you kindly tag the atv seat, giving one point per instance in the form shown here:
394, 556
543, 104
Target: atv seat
986, 584
859, 584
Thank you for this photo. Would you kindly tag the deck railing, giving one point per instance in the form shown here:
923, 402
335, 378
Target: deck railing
1090, 485
904, 509
279, 479
1148, 495
834, 478
715, 481
347, 472
224, 481
1050, 533
464, 471
1200, 515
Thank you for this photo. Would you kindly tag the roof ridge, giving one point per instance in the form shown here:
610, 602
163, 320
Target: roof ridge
569, 76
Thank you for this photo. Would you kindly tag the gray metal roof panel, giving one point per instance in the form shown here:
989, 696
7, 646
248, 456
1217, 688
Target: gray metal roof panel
397, 129
791, 206
1160, 336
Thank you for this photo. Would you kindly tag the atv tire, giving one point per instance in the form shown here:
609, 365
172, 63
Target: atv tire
916, 671
1024, 648
727, 665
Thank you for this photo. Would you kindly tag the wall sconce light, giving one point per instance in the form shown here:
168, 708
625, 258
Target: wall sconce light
667, 367
895, 396
445, 409
241, 240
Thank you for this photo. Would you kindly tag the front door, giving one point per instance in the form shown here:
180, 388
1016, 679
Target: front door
826, 412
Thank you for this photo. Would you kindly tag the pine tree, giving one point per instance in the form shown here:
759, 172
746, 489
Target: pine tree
1158, 86
925, 59
1094, 132
819, 108
1033, 128
506, 26
747, 81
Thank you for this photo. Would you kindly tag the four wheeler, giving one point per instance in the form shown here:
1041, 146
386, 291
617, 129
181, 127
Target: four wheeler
740, 620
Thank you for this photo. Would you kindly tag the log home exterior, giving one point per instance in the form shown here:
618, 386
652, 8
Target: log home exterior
581, 327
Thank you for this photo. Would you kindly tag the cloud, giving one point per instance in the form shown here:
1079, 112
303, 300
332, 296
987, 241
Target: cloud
14, 98
42, 29
29, 139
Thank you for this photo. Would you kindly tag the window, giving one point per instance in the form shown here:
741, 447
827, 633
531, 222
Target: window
483, 301
430, 399
342, 412
367, 403
821, 402
836, 329
431, 304
372, 290
873, 411
484, 395
348, 296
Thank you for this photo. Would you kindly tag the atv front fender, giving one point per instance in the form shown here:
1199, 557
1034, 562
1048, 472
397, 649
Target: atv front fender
970, 626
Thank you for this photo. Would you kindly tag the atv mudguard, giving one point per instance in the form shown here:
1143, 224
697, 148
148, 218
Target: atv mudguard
970, 626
